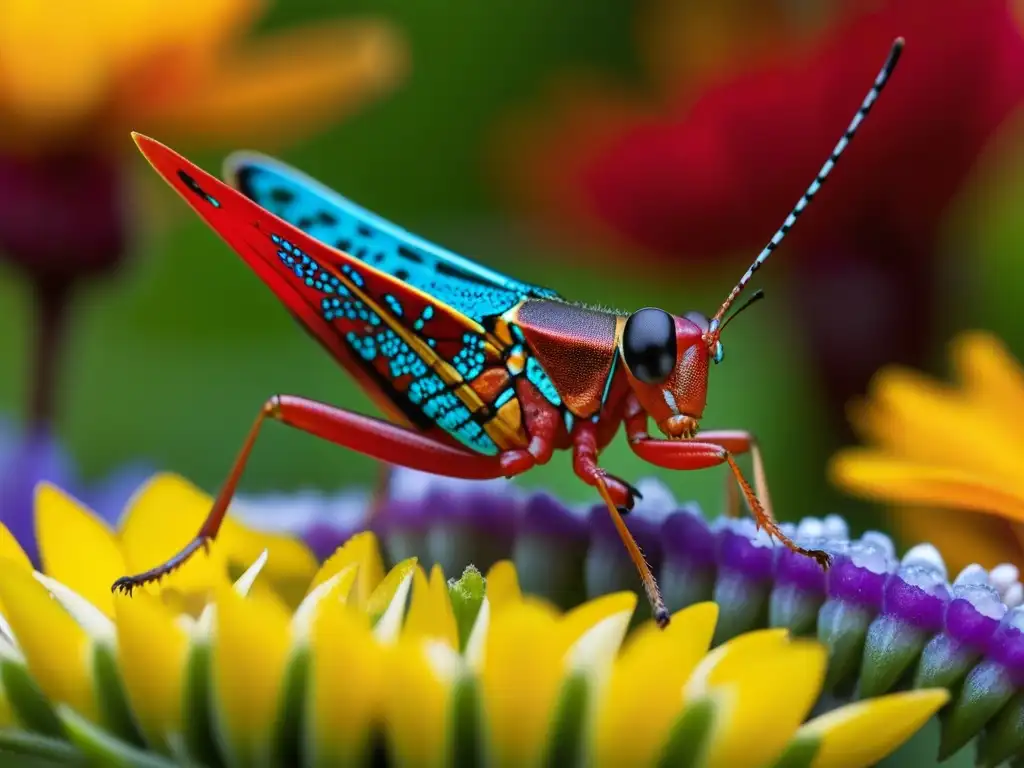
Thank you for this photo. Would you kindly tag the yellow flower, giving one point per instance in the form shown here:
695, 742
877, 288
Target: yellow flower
78, 549
399, 664
88, 73
938, 449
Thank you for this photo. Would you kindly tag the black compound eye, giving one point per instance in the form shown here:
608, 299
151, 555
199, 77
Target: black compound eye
649, 345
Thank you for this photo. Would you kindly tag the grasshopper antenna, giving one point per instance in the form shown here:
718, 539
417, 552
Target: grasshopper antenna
715, 327
755, 297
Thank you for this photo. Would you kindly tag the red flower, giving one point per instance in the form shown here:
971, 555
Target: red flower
716, 170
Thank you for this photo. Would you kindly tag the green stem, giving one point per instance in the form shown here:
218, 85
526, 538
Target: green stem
52, 300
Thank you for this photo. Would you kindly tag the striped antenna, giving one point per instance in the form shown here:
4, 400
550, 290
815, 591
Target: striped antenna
883, 77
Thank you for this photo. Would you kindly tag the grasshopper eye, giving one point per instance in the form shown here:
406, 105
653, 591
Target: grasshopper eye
649, 345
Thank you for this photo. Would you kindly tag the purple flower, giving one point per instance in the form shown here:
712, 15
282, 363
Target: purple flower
887, 622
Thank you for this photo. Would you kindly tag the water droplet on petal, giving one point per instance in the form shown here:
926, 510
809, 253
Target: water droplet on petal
1003, 576
1015, 618
788, 529
985, 600
925, 555
926, 577
871, 557
658, 501
881, 540
836, 527
1014, 596
745, 527
810, 528
762, 539
974, 573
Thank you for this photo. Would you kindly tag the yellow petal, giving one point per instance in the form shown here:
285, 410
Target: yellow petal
593, 631
54, 71
168, 511
290, 566
430, 611
164, 516
416, 706
587, 615
11, 550
763, 685
386, 606
152, 650
992, 377
645, 692
76, 547
188, 38
346, 679
881, 477
331, 595
280, 87
503, 586
520, 681
57, 650
910, 415
250, 652
863, 733
362, 550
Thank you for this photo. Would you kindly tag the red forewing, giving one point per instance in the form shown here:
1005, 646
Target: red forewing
410, 351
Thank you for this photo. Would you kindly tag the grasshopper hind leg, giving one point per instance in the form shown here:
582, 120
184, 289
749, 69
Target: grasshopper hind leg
382, 440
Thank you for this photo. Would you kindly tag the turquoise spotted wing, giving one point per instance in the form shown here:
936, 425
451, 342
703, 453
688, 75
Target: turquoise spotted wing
414, 354
471, 288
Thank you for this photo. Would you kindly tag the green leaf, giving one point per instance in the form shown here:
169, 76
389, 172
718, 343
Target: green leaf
1003, 737
467, 595
986, 690
200, 740
687, 740
566, 747
800, 752
29, 703
842, 629
102, 748
115, 711
46, 748
288, 742
467, 747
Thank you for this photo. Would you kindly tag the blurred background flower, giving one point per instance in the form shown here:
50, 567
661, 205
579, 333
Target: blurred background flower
71, 90
949, 455
739, 107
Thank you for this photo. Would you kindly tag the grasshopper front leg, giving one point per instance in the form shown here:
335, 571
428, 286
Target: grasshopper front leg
712, 449
615, 493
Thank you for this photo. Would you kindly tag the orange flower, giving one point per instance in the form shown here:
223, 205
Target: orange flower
939, 450
77, 77
74, 74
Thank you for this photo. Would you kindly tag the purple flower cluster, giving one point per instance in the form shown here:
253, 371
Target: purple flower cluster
888, 622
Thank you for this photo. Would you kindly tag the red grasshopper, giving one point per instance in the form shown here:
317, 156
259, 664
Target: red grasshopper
481, 375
